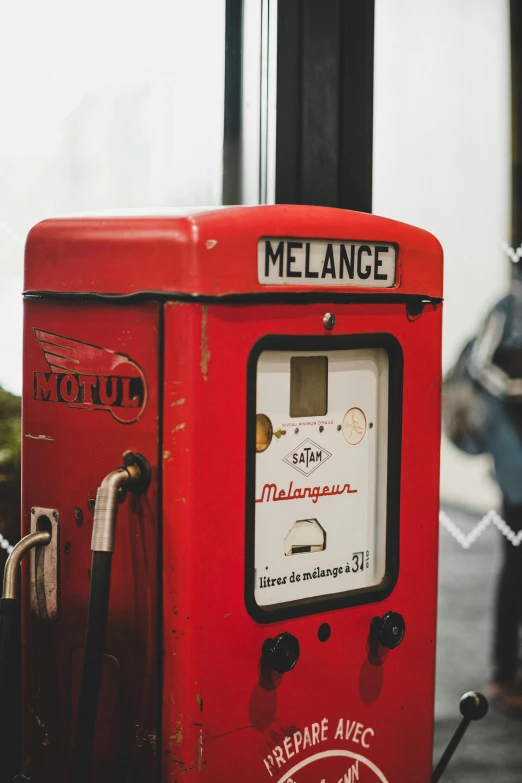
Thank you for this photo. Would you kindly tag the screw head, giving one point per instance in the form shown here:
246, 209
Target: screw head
329, 321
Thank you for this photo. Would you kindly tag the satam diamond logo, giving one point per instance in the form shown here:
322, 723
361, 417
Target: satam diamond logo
307, 457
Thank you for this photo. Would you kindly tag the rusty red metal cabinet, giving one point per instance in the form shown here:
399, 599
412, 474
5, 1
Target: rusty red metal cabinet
279, 367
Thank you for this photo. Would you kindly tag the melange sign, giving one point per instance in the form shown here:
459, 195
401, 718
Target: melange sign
319, 262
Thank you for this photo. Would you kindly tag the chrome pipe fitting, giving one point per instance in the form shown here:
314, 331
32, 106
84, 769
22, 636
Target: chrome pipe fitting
10, 586
110, 494
134, 476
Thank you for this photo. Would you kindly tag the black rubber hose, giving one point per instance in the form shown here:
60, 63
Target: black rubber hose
92, 666
10, 692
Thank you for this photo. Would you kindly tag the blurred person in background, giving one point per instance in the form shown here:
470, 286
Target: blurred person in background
482, 412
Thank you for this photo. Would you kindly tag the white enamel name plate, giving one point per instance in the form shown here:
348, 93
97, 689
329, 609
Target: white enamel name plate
321, 481
316, 262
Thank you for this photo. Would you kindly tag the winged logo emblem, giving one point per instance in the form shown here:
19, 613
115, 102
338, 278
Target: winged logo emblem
88, 377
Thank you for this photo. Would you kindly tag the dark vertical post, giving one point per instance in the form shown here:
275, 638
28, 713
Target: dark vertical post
233, 88
516, 121
321, 103
289, 101
356, 100
325, 103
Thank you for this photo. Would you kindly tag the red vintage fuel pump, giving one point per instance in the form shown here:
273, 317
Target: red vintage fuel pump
270, 378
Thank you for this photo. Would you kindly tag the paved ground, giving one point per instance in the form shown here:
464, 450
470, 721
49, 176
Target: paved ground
492, 749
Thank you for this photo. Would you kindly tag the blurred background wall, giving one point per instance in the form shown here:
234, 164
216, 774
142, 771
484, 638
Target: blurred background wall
130, 114
442, 160
110, 104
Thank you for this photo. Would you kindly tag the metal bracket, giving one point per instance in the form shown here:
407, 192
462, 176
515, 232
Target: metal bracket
44, 565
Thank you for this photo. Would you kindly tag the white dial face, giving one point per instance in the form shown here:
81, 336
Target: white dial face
320, 474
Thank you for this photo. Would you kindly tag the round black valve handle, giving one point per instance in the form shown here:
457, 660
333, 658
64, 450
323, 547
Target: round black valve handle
388, 630
473, 706
281, 653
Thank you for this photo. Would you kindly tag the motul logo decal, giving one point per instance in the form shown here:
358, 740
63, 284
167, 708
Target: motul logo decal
90, 378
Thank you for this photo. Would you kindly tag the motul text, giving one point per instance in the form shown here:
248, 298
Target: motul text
94, 391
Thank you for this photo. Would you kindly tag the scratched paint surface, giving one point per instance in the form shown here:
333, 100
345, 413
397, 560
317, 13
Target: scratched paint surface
68, 449
341, 712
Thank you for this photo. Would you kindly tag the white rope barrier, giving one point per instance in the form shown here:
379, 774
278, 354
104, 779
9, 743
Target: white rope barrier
4, 544
464, 539
467, 539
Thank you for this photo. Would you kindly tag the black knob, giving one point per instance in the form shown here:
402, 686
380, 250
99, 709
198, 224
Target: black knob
388, 630
281, 653
473, 706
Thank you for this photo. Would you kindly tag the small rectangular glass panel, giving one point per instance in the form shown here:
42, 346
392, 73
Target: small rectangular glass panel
308, 386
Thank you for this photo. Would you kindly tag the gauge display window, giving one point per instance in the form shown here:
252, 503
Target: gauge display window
308, 386
323, 495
